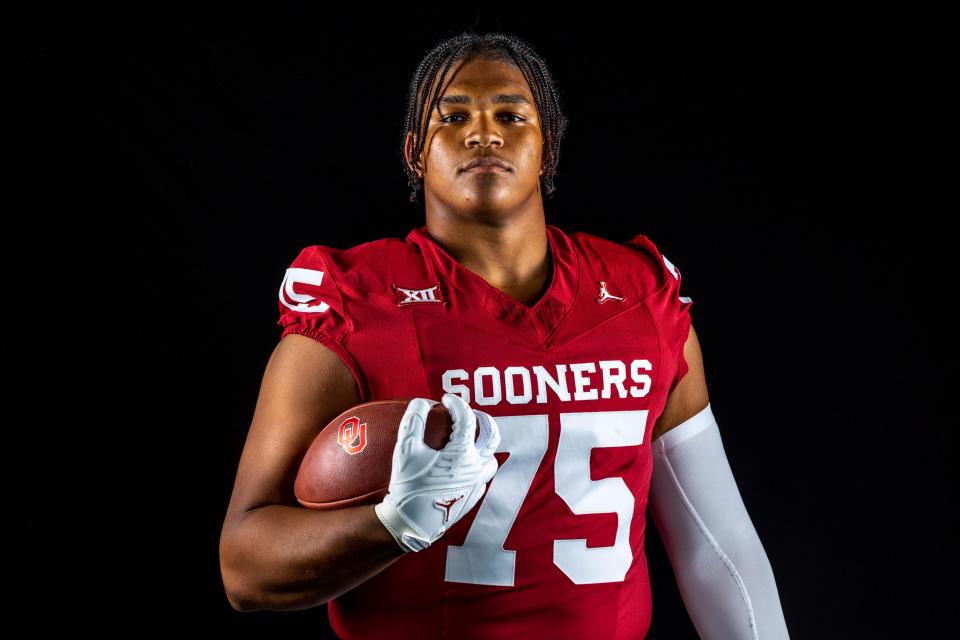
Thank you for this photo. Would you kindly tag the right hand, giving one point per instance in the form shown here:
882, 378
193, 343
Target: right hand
431, 490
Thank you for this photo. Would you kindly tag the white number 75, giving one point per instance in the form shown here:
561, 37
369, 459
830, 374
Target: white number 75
483, 560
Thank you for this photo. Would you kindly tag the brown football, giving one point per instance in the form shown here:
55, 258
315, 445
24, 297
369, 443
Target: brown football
349, 462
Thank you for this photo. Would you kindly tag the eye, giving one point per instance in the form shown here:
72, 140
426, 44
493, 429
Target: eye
509, 115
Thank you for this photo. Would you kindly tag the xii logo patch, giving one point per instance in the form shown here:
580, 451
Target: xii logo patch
409, 296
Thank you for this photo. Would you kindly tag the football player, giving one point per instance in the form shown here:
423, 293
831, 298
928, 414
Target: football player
576, 352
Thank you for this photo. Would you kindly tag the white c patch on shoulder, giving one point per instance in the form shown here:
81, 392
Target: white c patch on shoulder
303, 300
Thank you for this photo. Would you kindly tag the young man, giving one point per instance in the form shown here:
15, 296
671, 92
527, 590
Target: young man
583, 351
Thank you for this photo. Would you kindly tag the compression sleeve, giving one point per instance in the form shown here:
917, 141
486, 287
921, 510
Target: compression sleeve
720, 565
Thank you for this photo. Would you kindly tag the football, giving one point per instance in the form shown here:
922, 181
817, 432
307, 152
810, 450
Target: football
348, 464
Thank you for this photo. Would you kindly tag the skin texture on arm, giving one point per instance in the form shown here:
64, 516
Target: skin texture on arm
690, 396
274, 553
722, 570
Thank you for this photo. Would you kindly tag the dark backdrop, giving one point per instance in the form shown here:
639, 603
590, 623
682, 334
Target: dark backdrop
778, 165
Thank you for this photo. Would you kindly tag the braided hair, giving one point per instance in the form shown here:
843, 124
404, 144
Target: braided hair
495, 47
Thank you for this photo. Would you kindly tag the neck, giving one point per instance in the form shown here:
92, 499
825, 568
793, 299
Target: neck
514, 258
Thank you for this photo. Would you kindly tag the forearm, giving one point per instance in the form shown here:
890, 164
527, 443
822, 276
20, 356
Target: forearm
281, 557
728, 588
720, 565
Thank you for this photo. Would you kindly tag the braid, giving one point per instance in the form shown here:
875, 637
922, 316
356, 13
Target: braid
491, 46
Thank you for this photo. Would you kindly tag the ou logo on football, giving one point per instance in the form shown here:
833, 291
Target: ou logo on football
303, 300
350, 431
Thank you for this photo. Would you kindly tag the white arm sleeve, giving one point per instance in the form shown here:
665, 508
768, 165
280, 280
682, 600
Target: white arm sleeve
721, 568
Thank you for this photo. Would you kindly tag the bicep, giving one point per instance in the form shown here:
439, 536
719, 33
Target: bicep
690, 395
305, 385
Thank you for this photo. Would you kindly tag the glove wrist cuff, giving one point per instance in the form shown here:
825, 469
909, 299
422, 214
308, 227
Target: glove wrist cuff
399, 529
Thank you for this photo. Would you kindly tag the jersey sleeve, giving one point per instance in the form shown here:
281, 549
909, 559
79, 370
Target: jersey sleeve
311, 303
670, 308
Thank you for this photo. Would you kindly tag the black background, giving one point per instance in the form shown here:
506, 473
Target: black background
177, 162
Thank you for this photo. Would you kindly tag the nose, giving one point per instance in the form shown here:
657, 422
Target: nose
485, 133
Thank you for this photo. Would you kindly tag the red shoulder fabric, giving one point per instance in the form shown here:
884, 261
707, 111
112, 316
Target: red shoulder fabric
670, 309
311, 304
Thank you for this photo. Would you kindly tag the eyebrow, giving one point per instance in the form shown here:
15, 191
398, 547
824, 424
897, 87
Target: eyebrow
500, 98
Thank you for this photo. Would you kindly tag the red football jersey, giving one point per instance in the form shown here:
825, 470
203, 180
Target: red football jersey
576, 382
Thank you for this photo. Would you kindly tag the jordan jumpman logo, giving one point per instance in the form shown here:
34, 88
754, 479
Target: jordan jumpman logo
446, 506
606, 295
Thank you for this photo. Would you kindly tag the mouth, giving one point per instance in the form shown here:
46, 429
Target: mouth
487, 169
482, 164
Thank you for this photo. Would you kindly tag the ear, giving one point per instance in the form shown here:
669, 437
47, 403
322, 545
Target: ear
543, 165
408, 146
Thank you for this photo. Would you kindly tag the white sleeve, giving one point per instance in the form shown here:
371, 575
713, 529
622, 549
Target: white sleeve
721, 568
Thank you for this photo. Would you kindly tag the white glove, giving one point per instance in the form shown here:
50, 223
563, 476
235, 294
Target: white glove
431, 490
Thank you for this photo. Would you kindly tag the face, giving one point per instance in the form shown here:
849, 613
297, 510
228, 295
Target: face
486, 109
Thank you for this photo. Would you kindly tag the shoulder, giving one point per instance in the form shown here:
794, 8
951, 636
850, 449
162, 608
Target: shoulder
351, 278
370, 254
366, 266
638, 256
